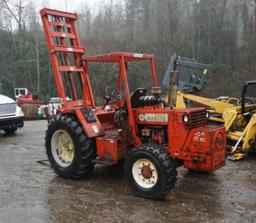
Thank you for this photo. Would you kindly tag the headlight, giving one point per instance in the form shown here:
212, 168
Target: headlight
19, 112
185, 118
207, 114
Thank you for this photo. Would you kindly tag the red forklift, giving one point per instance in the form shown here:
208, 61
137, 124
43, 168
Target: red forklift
29, 103
153, 139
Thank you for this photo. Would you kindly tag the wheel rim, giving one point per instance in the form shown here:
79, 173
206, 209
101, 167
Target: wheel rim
62, 148
144, 173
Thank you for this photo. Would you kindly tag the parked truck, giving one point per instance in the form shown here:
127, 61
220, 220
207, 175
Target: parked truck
29, 103
11, 115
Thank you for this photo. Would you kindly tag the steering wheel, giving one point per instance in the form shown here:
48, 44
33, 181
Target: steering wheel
111, 94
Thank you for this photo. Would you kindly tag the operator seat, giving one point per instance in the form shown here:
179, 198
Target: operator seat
121, 114
136, 95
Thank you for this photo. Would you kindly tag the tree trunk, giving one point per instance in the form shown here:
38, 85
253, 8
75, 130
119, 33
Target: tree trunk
37, 64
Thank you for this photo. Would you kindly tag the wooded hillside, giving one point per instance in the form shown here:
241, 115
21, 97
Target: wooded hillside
218, 32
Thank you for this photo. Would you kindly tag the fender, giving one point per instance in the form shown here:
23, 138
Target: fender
92, 129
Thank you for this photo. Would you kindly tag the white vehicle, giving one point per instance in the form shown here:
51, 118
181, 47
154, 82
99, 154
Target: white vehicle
11, 115
52, 107
20, 91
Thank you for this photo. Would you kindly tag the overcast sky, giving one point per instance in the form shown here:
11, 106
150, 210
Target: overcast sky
66, 5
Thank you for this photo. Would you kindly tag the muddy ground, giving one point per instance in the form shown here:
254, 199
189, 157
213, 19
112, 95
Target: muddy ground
31, 192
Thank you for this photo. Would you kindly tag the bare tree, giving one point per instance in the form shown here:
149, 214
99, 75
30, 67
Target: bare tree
16, 10
35, 29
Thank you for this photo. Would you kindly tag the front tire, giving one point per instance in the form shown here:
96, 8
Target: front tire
10, 131
150, 172
69, 150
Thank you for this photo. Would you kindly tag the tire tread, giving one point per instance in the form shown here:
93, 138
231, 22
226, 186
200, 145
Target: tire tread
85, 146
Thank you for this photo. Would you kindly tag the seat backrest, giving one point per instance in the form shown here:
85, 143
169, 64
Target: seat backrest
135, 96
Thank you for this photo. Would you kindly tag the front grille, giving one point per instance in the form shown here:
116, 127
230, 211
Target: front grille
6, 109
197, 119
14, 122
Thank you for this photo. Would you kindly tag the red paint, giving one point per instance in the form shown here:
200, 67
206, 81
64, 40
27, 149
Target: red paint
199, 146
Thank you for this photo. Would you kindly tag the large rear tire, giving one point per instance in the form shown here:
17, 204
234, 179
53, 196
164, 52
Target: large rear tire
69, 150
150, 172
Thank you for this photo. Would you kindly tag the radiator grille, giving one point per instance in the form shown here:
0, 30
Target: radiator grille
6, 109
197, 119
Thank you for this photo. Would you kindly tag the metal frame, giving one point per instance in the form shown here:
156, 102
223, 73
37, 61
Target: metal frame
189, 63
122, 58
247, 83
59, 29
62, 38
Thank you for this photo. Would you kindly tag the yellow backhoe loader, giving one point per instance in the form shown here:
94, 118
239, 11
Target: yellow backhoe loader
237, 114
239, 118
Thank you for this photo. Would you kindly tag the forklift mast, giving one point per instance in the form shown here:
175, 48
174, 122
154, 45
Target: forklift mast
66, 54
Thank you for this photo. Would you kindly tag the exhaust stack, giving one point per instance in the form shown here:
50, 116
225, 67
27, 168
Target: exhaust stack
173, 86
